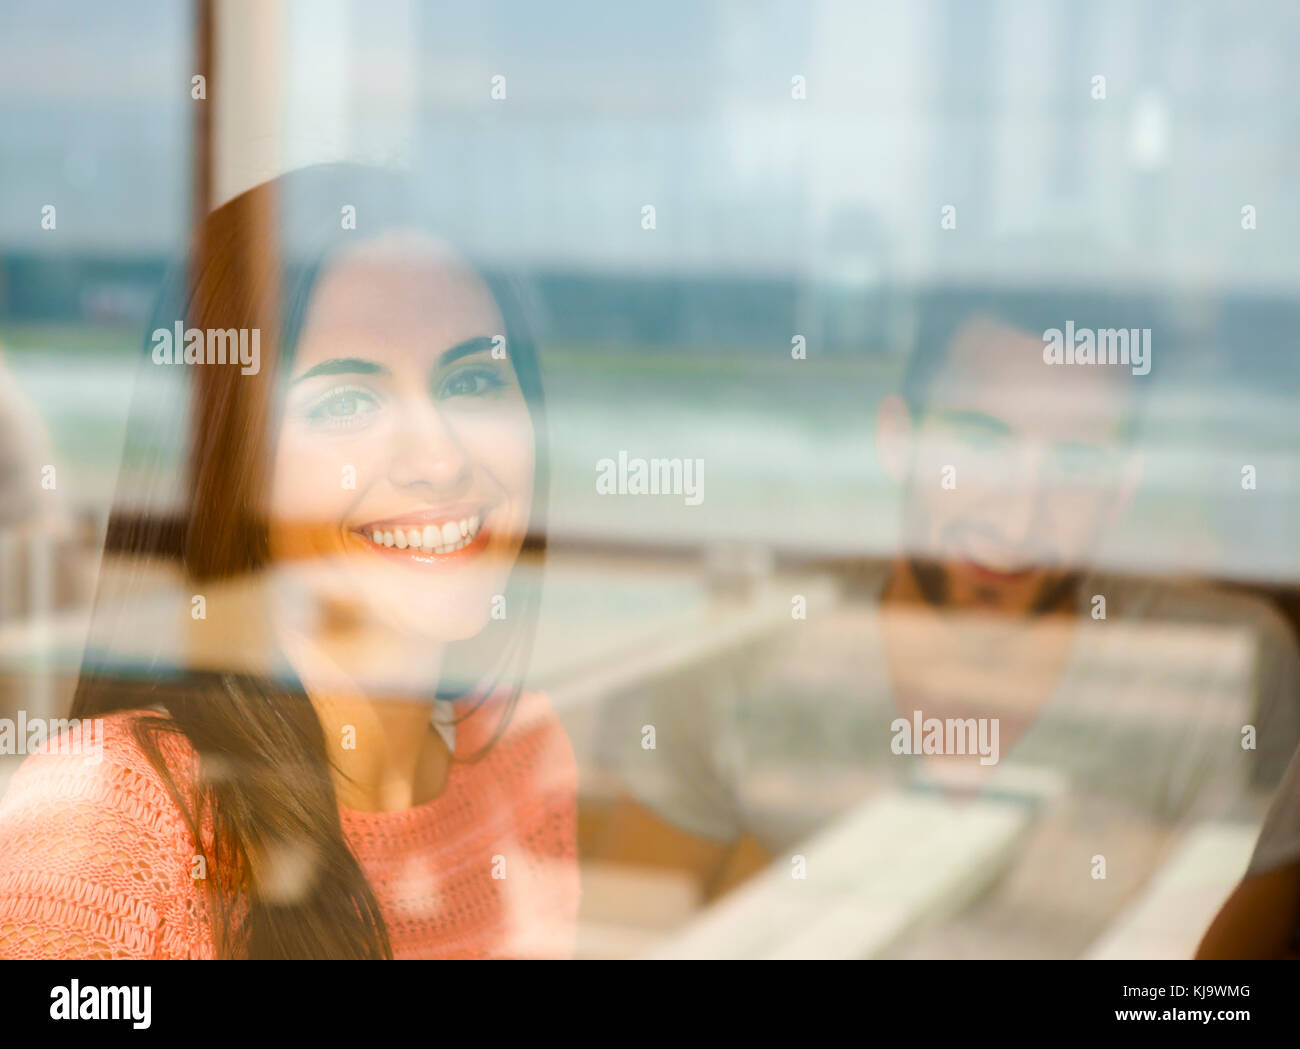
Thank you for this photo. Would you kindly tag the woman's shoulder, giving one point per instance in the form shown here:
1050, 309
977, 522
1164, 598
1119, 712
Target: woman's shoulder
534, 710
104, 762
95, 851
536, 727
524, 744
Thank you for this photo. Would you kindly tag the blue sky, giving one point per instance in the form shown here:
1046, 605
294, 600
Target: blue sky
687, 105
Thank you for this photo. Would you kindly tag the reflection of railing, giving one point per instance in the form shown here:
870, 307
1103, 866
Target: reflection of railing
608, 626
46, 575
45, 567
1182, 897
26, 569
896, 861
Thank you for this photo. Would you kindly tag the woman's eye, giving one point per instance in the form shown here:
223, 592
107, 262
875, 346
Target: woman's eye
342, 408
473, 382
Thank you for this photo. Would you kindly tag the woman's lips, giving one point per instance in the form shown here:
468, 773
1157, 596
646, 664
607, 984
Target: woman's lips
430, 537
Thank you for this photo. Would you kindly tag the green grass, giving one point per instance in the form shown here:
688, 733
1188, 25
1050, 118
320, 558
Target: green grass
711, 362
105, 340
595, 360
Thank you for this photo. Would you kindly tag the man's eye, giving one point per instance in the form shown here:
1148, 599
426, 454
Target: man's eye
342, 408
473, 382
1080, 462
976, 438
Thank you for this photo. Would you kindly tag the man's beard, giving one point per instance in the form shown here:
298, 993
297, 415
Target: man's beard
935, 584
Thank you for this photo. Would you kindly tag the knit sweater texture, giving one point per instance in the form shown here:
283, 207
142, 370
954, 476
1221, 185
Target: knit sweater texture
97, 860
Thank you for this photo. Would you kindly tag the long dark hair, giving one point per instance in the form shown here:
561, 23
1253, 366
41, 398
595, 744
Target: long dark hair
263, 780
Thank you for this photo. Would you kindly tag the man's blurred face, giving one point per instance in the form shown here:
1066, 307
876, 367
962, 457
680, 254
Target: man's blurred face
1037, 459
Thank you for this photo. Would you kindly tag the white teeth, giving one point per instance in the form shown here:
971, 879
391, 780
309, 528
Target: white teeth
451, 536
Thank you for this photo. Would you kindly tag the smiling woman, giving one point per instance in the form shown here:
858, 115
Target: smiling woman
399, 420
342, 762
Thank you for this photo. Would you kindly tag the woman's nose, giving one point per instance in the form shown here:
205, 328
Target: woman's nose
426, 450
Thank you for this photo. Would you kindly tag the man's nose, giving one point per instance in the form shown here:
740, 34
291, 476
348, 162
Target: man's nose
1021, 498
427, 450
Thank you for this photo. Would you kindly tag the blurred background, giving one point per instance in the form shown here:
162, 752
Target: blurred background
797, 157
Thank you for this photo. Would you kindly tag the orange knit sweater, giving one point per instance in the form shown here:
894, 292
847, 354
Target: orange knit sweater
96, 860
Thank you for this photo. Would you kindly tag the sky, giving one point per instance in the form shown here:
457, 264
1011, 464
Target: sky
985, 105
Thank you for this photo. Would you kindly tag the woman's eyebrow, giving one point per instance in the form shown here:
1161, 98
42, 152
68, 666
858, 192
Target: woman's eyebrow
344, 366
478, 344
357, 366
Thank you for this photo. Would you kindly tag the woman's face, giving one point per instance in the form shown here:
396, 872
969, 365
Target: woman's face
403, 472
